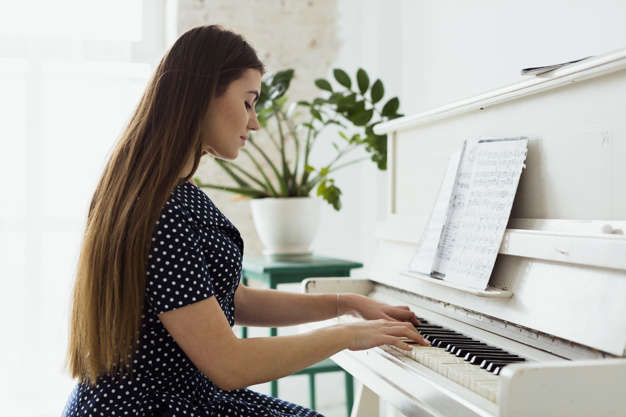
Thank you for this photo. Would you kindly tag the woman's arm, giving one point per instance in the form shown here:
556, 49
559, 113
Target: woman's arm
204, 334
272, 308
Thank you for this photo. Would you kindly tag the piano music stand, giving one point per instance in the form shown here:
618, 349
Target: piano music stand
274, 273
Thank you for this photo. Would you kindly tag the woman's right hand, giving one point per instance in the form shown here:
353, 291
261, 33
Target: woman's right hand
374, 333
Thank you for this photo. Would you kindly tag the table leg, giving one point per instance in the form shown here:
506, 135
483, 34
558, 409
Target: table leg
366, 403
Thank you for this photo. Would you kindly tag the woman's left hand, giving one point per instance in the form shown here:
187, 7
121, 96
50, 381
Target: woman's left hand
370, 309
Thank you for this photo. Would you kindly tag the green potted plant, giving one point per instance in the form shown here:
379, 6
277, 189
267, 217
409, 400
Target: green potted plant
286, 176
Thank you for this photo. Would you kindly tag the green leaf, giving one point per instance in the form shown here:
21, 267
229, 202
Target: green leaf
316, 114
279, 83
363, 118
363, 80
330, 193
355, 111
334, 98
356, 138
263, 97
391, 107
346, 103
323, 84
342, 77
378, 91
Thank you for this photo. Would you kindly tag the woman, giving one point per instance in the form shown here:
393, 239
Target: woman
157, 288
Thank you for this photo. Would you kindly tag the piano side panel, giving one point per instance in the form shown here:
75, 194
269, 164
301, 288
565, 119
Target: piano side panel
581, 388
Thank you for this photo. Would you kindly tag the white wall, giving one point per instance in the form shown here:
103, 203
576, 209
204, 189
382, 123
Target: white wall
431, 53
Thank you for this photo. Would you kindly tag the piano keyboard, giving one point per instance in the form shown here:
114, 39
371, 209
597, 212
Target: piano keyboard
471, 363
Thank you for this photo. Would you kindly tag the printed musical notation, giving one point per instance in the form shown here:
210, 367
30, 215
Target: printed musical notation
427, 246
463, 235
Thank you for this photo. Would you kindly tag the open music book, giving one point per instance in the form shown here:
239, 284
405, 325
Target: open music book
462, 237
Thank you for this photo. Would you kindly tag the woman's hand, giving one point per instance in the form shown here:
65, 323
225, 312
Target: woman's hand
373, 333
384, 325
370, 309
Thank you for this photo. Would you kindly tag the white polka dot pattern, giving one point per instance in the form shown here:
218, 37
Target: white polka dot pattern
195, 254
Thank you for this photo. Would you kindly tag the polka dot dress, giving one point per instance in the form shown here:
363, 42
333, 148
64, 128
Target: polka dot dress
195, 254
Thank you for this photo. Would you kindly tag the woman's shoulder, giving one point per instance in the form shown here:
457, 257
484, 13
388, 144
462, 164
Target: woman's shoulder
191, 200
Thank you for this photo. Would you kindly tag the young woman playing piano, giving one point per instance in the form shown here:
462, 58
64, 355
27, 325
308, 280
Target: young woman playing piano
157, 287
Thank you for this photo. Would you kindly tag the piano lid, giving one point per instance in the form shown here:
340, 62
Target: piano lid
562, 262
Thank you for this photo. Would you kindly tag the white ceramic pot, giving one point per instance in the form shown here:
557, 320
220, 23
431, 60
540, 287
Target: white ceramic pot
286, 226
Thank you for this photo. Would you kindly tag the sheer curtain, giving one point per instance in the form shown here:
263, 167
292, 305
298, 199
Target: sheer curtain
71, 71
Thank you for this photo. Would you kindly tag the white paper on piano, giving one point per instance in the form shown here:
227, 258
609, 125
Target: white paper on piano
426, 251
479, 203
485, 211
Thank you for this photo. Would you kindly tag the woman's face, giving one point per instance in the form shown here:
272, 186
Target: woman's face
231, 116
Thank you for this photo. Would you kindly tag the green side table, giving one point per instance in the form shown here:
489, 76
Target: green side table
273, 273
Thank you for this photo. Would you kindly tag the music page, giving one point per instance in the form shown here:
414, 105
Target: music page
426, 251
479, 211
455, 210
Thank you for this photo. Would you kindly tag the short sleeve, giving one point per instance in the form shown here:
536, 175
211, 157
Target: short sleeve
177, 274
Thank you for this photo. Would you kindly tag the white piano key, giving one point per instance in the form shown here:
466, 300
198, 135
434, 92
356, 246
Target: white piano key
470, 378
489, 390
456, 369
455, 372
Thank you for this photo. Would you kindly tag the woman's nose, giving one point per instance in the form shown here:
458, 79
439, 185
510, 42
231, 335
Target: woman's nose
253, 123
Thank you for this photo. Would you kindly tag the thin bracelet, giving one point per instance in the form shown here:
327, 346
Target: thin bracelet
337, 313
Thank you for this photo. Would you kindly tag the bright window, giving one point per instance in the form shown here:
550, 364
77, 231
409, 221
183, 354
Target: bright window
71, 72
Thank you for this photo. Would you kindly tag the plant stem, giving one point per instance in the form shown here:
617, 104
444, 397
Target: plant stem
281, 182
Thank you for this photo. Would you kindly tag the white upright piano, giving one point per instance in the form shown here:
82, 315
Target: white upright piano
557, 293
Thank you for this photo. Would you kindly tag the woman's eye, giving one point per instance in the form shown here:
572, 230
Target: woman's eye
248, 106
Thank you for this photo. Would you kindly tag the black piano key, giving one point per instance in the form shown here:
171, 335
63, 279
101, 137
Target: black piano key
485, 364
440, 332
445, 331
453, 347
491, 366
443, 342
460, 342
432, 328
448, 344
450, 334
488, 354
498, 369
428, 326
473, 351
432, 337
450, 338
463, 351
478, 358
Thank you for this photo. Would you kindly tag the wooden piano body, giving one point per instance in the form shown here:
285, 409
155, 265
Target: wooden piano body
557, 293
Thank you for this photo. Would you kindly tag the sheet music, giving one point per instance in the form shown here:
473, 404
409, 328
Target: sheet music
480, 210
426, 251
455, 210
462, 237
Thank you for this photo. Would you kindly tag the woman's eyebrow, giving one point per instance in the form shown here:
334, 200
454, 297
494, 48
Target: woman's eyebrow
255, 93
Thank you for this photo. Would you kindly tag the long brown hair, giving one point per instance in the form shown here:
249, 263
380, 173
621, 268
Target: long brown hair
161, 137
